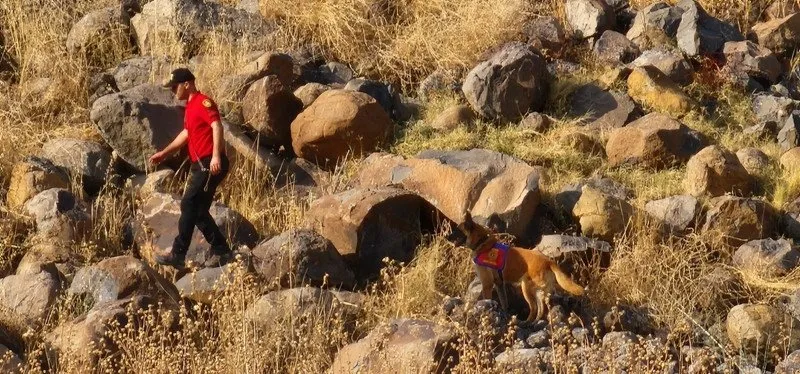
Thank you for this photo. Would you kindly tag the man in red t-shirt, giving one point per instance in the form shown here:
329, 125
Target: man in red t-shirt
202, 132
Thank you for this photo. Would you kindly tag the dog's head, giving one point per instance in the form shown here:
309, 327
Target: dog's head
475, 233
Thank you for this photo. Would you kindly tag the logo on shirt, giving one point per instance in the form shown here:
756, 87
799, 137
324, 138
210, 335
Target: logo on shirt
208, 103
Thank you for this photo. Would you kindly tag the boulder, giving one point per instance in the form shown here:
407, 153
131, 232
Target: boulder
589, 18
99, 33
753, 159
453, 117
143, 185
790, 364
91, 329
302, 257
229, 94
753, 328
84, 159
650, 87
139, 122
790, 160
715, 171
137, 71
739, 220
367, 225
525, 360
676, 213
771, 108
600, 215
671, 63
303, 302
122, 277
780, 35
767, 257
600, 109
763, 130
789, 136
654, 141
440, 82
558, 246
29, 296
32, 176
546, 34
157, 225
377, 90
281, 65
655, 18
269, 107
536, 122
570, 194
699, 33
60, 217
401, 344
614, 48
207, 285
749, 59
336, 73
309, 92
511, 83
340, 123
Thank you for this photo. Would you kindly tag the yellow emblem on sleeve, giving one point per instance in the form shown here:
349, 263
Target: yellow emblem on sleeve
208, 103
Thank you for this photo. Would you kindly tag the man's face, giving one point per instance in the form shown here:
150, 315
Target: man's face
181, 91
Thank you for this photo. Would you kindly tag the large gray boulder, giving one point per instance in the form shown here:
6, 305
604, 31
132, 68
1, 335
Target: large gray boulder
508, 85
84, 159
602, 110
100, 33
751, 60
270, 107
671, 63
700, 33
140, 70
614, 48
654, 141
31, 176
789, 136
779, 35
655, 18
60, 217
29, 296
676, 213
767, 257
589, 18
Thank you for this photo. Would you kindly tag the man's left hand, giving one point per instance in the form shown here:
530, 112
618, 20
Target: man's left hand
216, 166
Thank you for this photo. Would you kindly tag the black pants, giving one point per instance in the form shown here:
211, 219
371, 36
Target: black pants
196, 202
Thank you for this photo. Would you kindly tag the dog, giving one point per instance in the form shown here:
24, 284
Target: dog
536, 274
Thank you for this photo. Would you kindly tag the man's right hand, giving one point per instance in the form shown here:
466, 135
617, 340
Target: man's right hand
157, 158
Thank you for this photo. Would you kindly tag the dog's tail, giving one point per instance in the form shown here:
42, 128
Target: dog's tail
565, 281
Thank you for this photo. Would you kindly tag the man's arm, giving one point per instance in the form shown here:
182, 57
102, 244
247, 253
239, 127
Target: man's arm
176, 144
217, 134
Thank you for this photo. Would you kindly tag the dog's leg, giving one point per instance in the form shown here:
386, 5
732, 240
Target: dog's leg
487, 284
501, 294
540, 295
529, 294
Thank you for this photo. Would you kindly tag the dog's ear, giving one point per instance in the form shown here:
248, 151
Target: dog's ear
468, 224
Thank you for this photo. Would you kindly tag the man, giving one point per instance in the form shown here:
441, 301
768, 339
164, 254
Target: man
202, 131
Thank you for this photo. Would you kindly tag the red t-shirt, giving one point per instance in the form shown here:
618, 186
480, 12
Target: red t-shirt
200, 112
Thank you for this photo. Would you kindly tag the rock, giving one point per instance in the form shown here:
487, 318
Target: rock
84, 159
366, 225
122, 277
189, 23
600, 215
583, 143
32, 176
138, 122
72, 338
137, 71
589, 18
281, 65
615, 48
536, 122
699, 33
753, 159
42, 255
789, 136
437, 83
752, 328
100, 32
769, 257
779, 35
672, 64
676, 213
269, 107
303, 302
570, 194
453, 117
790, 364
739, 220
557, 246
650, 87
336, 73
310, 92
752, 60
601, 109
790, 160
715, 171
763, 130
29, 296
414, 345
300, 257
770, 108
206, 285
340, 123
526, 361
377, 90
162, 181
60, 217
655, 18
491, 185
654, 141
508, 85
546, 34
229, 94
157, 226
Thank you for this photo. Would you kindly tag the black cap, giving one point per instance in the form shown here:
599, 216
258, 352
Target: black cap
179, 75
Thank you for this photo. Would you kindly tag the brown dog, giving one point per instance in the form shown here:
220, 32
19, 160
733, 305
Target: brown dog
536, 273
